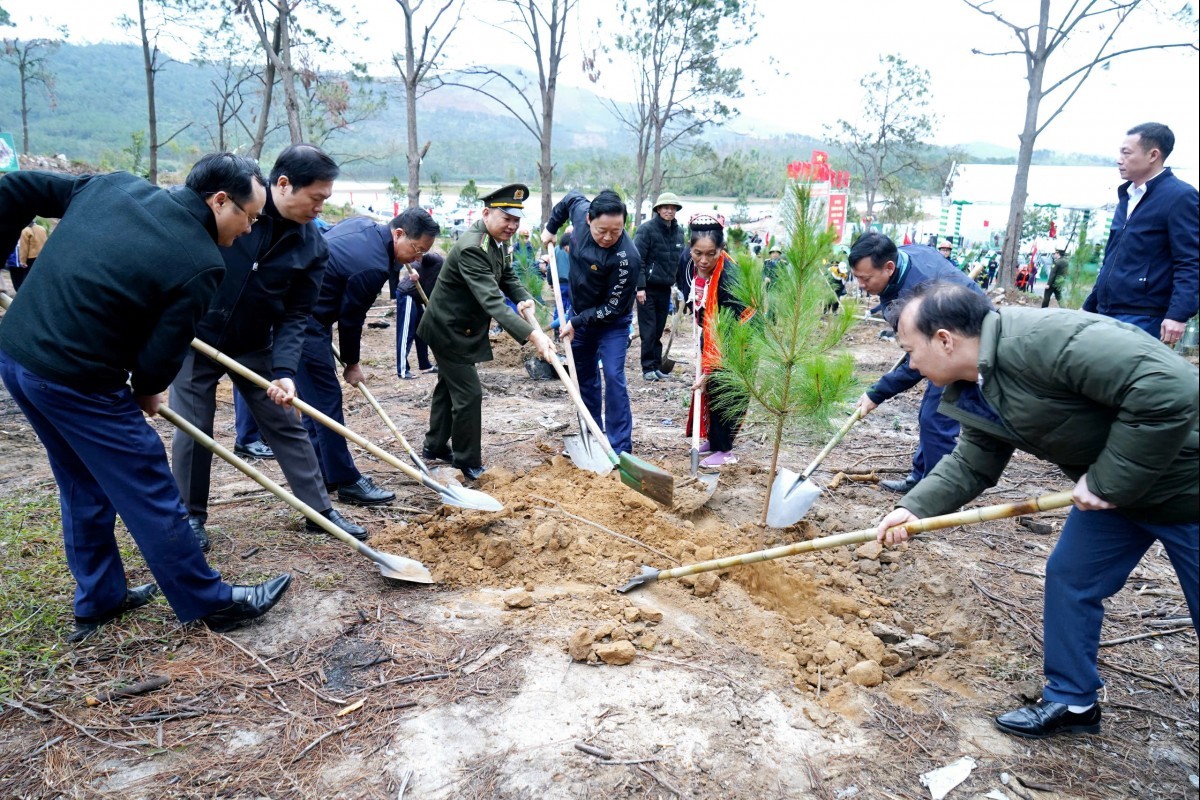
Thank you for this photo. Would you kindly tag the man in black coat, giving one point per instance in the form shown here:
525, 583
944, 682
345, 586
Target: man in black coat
89, 346
362, 254
258, 318
659, 241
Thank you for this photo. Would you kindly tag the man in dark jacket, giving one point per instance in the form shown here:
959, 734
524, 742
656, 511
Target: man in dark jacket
659, 241
1058, 274
477, 278
115, 299
1116, 411
881, 269
1150, 277
410, 307
362, 253
258, 317
605, 264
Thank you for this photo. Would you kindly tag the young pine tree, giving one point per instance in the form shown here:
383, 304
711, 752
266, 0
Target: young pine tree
782, 364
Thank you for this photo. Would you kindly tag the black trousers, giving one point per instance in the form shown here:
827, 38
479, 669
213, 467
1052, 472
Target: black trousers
723, 423
652, 319
1051, 290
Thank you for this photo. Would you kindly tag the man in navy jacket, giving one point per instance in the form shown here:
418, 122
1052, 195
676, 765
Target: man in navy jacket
882, 270
362, 254
258, 317
115, 299
1150, 277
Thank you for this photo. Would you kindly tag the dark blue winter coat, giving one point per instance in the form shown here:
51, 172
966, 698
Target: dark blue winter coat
361, 257
603, 279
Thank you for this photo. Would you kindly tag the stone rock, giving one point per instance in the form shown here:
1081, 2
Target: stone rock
604, 630
632, 614
1030, 691
619, 634
580, 644
935, 586
917, 646
870, 550
865, 673
650, 614
890, 557
616, 653
497, 552
707, 583
705, 553
890, 634
867, 567
475, 562
518, 599
647, 641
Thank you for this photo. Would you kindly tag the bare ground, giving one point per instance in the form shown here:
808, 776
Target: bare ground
739, 685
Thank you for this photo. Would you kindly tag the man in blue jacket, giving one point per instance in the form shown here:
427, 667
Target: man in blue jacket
1150, 276
362, 254
258, 318
882, 269
89, 346
605, 265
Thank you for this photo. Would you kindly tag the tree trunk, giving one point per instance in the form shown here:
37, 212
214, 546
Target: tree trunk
288, 76
24, 110
260, 136
414, 150
152, 112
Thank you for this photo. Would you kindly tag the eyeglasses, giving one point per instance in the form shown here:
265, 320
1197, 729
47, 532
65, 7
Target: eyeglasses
249, 218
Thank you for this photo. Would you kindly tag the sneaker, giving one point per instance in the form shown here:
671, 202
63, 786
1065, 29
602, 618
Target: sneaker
719, 459
662, 376
430, 370
255, 449
652, 375
408, 375
705, 448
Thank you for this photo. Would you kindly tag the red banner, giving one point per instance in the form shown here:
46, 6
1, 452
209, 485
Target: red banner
837, 213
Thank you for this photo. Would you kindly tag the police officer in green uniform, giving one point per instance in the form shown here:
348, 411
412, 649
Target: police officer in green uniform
470, 292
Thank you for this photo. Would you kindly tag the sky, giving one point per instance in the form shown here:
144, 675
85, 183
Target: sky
802, 71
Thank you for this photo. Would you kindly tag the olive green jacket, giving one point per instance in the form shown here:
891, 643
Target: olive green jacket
1087, 393
469, 293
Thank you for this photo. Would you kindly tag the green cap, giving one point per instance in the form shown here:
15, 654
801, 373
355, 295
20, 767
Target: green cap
667, 199
509, 199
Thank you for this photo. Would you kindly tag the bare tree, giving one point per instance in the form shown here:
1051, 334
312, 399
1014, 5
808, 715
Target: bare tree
334, 102
1094, 21
417, 66
887, 138
232, 80
31, 57
168, 15
676, 47
541, 26
274, 31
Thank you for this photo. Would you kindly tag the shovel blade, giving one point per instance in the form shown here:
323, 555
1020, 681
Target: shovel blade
473, 499
644, 477
648, 575
586, 454
791, 498
398, 568
666, 366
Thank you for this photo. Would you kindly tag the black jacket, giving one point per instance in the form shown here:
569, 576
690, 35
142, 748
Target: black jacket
361, 257
272, 277
660, 246
603, 279
120, 285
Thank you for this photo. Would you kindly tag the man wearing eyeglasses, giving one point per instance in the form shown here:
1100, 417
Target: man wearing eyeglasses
258, 318
362, 255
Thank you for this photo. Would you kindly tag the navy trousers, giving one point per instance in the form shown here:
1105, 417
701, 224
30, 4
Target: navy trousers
602, 348
108, 461
243, 420
408, 316
1091, 562
938, 433
1151, 325
318, 385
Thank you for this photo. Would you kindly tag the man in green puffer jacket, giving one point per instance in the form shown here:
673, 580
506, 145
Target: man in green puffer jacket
1116, 410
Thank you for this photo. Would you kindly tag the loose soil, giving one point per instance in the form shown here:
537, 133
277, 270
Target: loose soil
521, 672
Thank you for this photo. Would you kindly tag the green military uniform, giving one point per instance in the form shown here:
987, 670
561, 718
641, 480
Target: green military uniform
469, 293
1058, 274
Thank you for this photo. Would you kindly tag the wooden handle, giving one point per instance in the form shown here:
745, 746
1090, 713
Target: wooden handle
416, 285
1046, 502
837, 437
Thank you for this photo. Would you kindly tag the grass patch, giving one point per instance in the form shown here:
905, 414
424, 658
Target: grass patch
35, 587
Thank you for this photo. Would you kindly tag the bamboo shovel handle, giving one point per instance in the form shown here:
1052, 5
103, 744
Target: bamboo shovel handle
1046, 502
837, 437
262, 480
577, 399
552, 268
420, 290
370, 398
378, 452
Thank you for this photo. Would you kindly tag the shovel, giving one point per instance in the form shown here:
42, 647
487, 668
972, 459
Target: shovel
583, 450
639, 475
397, 568
451, 495
793, 495
1046, 502
709, 481
383, 415
667, 364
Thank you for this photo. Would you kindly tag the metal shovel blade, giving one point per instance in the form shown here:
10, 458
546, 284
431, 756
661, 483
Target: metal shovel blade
586, 454
647, 575
791, 498
398, 567
468, 498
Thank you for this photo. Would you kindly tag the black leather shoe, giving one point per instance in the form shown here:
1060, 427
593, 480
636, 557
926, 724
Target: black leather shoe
472, 473
257, 449
201, 535
249, 602
436, 455
364, 492
357, 531
903, 486
1048, 719
136, 597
